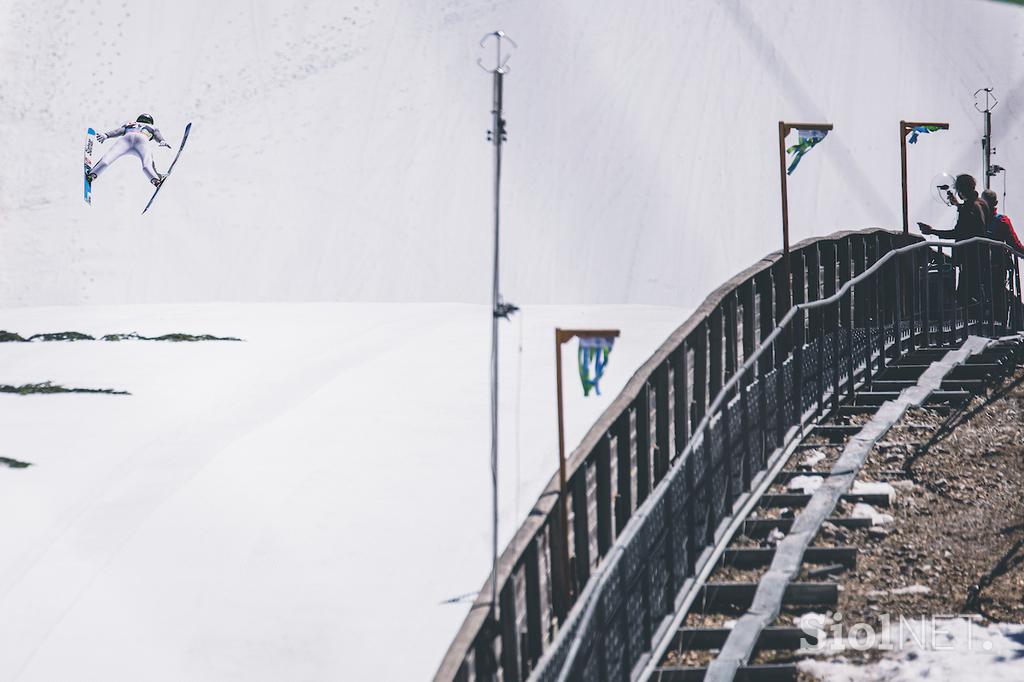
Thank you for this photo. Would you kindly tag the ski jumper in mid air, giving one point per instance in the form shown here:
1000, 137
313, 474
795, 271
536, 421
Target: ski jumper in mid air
134, 139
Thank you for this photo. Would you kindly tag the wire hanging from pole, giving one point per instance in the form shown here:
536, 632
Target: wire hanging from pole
519, 414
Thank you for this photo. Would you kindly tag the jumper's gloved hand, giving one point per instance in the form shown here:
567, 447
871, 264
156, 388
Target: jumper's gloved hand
165, 143
100, 137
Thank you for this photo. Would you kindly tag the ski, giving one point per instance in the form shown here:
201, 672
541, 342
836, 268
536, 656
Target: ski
89, 143
184, 138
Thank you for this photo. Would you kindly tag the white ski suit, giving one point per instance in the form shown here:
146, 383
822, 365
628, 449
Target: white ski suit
134, 138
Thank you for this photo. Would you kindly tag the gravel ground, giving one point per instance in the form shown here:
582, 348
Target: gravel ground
956, 544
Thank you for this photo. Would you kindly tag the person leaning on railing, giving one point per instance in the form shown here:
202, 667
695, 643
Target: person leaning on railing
999, 228
970, 222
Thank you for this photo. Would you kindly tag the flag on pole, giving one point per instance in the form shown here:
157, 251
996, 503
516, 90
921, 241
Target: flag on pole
919, 130
593, 357
806, 139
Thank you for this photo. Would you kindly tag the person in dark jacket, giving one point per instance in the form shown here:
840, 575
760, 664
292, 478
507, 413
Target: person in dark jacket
971, 222
999, 228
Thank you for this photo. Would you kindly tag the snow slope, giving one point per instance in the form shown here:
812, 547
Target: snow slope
296, 506
338, 151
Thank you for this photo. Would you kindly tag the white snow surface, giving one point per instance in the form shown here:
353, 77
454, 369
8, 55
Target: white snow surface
295, 506
338, 149
951, 650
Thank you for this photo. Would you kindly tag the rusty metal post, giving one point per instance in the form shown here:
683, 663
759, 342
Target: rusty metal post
905, 128
562, 336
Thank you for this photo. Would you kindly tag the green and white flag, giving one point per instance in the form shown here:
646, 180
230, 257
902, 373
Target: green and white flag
806, 139
593, 356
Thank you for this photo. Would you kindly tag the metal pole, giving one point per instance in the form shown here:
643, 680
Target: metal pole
786, 273
495, 297
903, 174
563, 510
986, 139
499, 309
906, 127
561, 336
784, 129
986, 146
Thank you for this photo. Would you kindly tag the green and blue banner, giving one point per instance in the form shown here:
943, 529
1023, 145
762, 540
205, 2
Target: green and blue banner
806, 139
921, 130
593, 357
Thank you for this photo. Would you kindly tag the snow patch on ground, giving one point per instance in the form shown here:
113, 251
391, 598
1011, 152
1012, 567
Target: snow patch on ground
873, 488
806, 484
866, 511
946, 650
812, 458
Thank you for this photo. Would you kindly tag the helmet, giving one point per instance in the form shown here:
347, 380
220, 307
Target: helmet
144, 118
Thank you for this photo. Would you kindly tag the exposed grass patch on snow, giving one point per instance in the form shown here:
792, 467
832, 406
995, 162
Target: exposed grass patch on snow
187, 338
48, 387
13, 337
60, 336
12, 463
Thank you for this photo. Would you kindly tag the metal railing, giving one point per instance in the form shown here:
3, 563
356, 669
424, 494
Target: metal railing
820, 353
661, 469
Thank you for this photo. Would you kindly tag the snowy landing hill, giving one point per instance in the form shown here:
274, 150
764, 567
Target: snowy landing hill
299, 505
339, 151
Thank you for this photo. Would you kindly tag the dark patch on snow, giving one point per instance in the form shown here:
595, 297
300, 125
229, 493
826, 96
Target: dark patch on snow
177, 337
47, 387
61, 336
14, 463
12, 337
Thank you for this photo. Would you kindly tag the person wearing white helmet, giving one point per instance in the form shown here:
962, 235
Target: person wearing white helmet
134, 138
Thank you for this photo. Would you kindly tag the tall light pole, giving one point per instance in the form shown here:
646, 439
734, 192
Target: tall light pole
905, 128
499, 309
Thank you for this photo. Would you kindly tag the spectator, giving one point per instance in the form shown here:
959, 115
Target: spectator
970, 223
999, 228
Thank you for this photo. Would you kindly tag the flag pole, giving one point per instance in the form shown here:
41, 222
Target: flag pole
786, 290
905, 128
903, 174
561, 337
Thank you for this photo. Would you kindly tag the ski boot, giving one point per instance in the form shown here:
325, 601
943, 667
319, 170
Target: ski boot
157, 181
90, 177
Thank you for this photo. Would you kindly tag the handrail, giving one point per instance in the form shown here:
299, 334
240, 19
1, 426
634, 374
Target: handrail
835, 298
629, 451
589, 599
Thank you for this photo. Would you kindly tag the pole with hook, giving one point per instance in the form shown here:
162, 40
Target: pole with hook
499, 309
